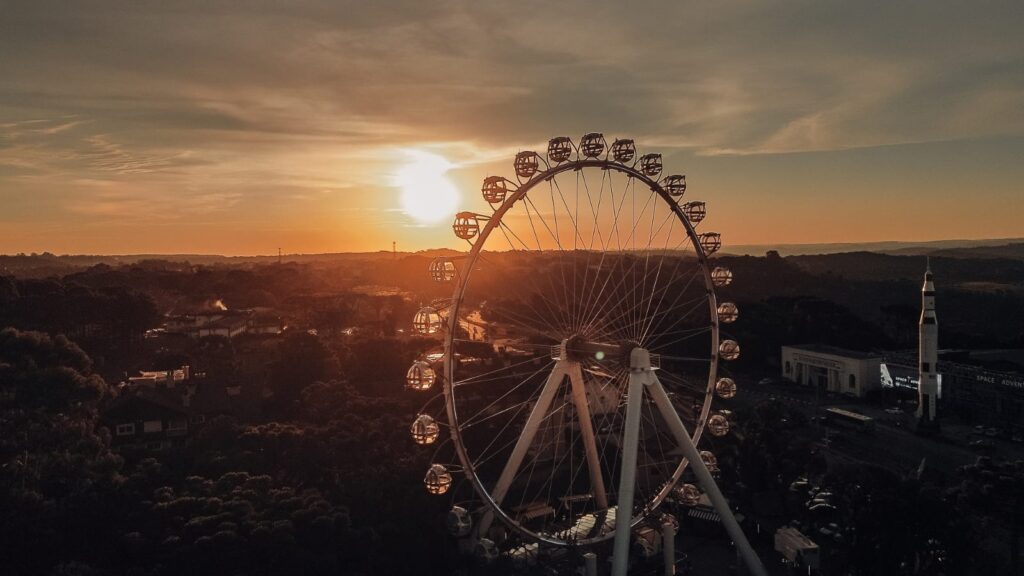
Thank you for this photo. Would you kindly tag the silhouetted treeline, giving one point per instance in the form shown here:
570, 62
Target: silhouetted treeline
105, 320
332, 490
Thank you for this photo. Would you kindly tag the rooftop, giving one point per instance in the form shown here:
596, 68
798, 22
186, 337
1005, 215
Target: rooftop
835, 351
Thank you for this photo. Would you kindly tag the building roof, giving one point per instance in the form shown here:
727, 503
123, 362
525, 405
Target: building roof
834, 351
145, 404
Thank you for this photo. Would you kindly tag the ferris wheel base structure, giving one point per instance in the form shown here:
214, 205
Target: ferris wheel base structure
643, 379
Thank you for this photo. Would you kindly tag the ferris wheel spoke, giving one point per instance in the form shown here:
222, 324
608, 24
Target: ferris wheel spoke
590, 298
594, 229
493, 450
537, 320
633, 235
471, 422
637, 289
594, 308
695, 359
618, 211
614, 299
691, 306
566, 321
681, 339
681, 381
509, 234
605, 323
670, 216
549, 316
569, 212
585, 299
641, 327
662, 315
526, 323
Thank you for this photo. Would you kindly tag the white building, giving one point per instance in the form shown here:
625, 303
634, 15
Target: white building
832, 369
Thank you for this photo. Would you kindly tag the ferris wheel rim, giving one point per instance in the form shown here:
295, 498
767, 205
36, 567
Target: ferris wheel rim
458, 293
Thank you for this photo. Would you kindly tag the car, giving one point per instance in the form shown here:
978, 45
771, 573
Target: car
799, 485
991, 432
979, 429
982, 445
1018, 437
894, 411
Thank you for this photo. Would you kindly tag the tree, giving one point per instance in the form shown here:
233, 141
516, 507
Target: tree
57, 474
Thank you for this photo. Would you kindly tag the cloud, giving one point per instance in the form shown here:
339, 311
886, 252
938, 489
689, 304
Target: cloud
267, 102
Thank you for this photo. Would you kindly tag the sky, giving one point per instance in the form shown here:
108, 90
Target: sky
242, 127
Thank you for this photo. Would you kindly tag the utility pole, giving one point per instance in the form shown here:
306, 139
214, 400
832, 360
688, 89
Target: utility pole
279, 256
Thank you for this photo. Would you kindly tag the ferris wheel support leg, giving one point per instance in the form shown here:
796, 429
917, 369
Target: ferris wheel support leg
668, 412
579, 399
540, 410
627, 476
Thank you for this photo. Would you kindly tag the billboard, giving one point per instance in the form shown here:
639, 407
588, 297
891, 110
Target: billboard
902, 376
898, 376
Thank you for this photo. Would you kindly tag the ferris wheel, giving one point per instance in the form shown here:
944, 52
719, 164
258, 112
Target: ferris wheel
583, 344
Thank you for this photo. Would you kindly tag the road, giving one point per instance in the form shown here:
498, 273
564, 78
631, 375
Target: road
892, 445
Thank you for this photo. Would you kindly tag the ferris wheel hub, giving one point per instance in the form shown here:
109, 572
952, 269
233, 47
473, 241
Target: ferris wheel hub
578, 348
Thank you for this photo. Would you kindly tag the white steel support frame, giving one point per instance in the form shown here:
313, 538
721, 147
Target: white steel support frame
668, 547
562, 368
643, 378
579, 399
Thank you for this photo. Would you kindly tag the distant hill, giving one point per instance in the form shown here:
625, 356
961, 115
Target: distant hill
972, 273
1013, 251
997, 247
46, 264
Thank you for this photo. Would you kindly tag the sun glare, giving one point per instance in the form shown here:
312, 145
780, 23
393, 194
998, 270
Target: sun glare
428, 196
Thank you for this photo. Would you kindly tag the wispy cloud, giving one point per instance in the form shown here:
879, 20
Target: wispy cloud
258, 107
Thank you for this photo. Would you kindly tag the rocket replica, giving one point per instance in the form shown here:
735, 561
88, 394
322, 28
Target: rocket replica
928, 355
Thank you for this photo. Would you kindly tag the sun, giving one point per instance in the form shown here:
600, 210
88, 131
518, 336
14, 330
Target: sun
428, 196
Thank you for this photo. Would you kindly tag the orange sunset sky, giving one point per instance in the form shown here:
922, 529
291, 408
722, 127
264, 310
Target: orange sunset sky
238, 128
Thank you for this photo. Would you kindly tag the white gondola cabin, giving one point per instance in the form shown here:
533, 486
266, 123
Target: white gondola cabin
438, 479
424, 429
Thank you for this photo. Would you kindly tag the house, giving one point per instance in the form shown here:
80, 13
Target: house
225, 326
225, 323
147, 418
166, 378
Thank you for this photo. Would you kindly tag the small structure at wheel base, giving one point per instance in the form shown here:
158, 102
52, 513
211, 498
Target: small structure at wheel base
797, 548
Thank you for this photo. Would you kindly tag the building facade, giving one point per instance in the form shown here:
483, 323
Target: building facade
832, 369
